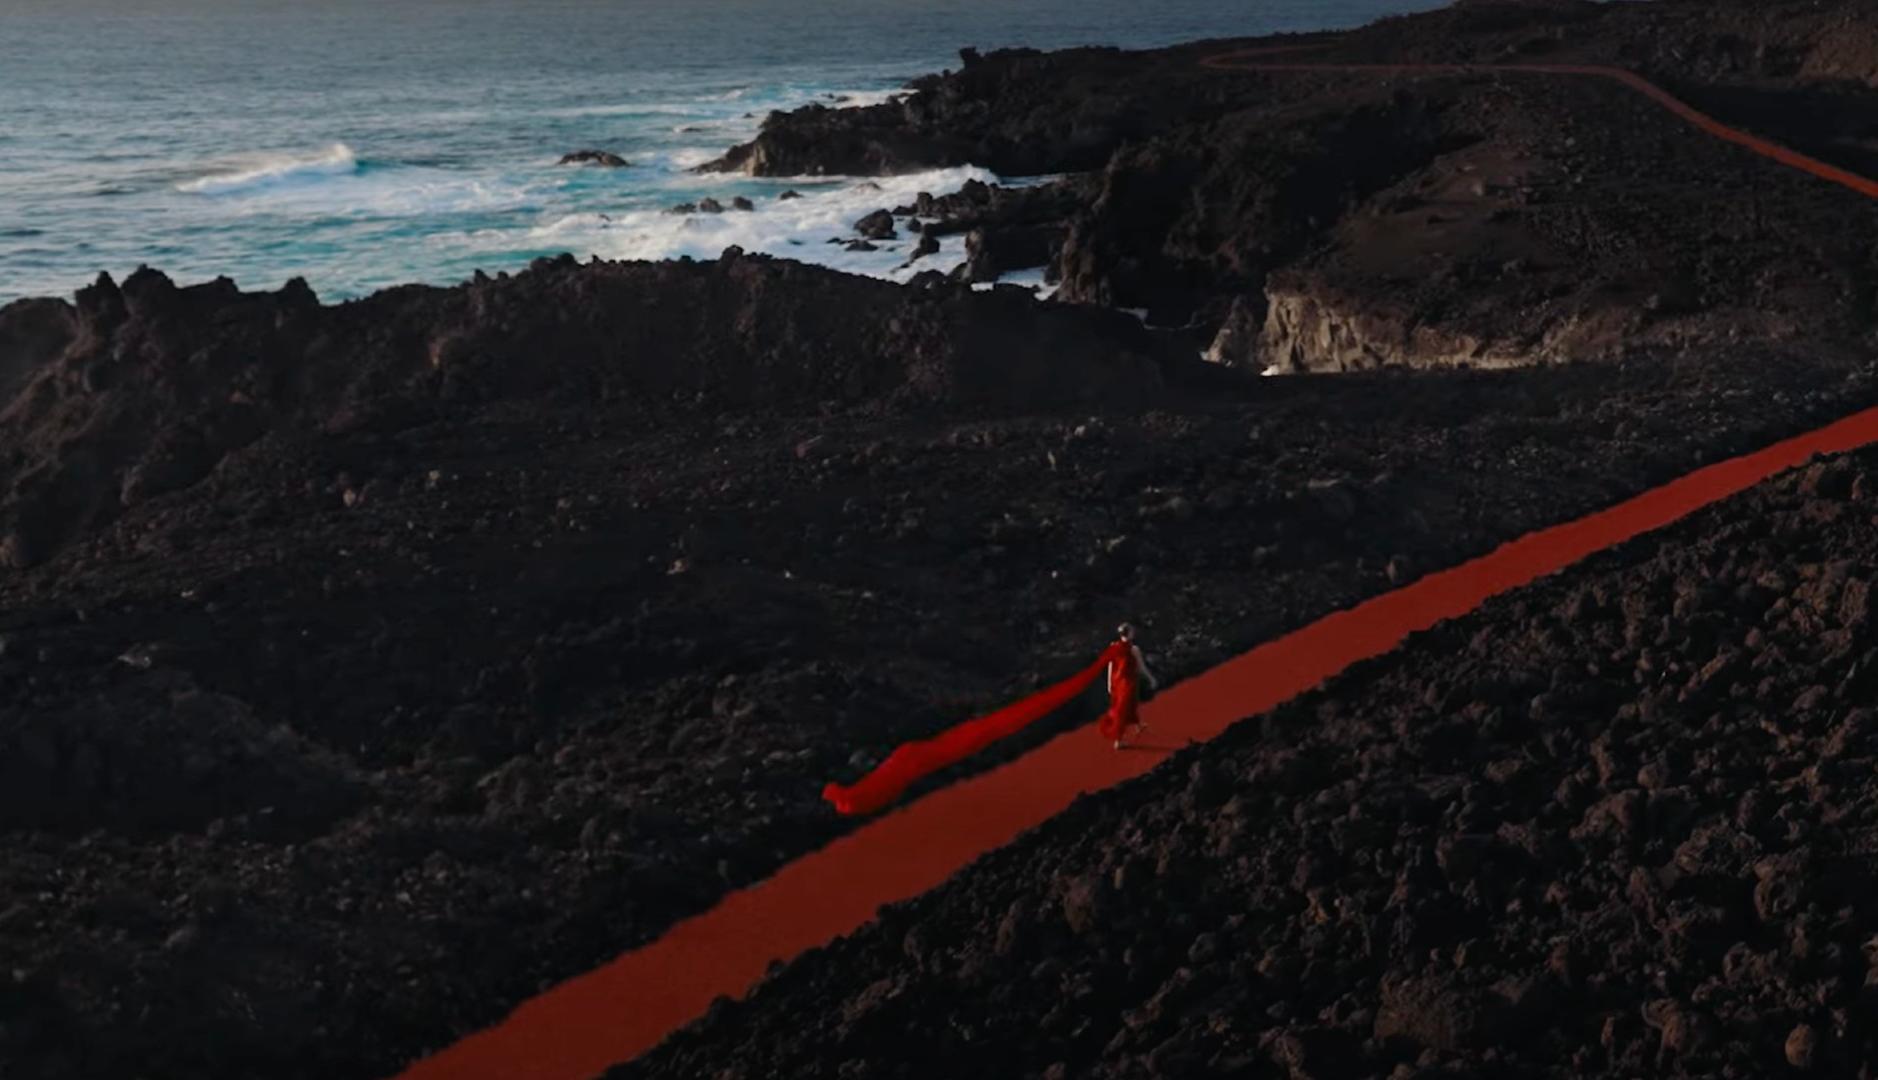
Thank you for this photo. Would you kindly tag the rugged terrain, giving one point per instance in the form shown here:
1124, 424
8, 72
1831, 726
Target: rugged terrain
366, 668
392, 717
1618, 823
1338, 220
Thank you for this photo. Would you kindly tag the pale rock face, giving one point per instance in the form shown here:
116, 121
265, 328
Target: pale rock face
1307, 332
1237, 342
1304, 333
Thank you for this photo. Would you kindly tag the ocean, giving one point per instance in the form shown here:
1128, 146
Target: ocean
366, 143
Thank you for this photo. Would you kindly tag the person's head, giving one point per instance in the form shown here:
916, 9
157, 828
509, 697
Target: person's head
1126, 631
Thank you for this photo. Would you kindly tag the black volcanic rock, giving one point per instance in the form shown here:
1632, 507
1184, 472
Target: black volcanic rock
630, 479
1016, 111
1020, 112
365, 669
1426, 859
876, 226
145, 390
603, 158
33, 333
978, 204
1154, 238
1190, 188
928, 245
995, 250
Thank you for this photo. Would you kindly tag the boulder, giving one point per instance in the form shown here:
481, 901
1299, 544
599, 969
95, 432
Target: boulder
876, 226
603, 158
993, 251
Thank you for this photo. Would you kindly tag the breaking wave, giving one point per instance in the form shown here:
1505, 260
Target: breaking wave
817, 228
337, 160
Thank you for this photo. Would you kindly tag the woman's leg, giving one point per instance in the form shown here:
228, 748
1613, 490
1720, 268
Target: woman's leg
1121, 717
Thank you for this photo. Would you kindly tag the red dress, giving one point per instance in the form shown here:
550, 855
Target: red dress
915, 760
1124, 692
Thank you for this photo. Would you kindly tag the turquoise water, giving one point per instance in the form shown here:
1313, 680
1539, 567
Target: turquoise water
364, 143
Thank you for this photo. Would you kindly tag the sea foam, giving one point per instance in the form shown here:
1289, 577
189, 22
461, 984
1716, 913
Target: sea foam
815, 228
336, 160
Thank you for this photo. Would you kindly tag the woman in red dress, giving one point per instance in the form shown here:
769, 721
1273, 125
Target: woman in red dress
1126, 670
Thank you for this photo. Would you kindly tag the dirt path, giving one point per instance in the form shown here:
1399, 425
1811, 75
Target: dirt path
1250, 60
621, 1010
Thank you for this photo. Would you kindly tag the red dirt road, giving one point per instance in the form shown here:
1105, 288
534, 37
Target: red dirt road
1249, 61
578, 1029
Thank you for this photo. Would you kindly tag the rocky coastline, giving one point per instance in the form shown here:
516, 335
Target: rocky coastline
365, 668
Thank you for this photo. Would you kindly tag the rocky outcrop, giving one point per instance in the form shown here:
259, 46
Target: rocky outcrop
1018, 112
143, 390
1307, 332
816, 140
993, 251
603, 158
876, 226
1189, 186
32, 333
979, 205
1185, 221
1237, 342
